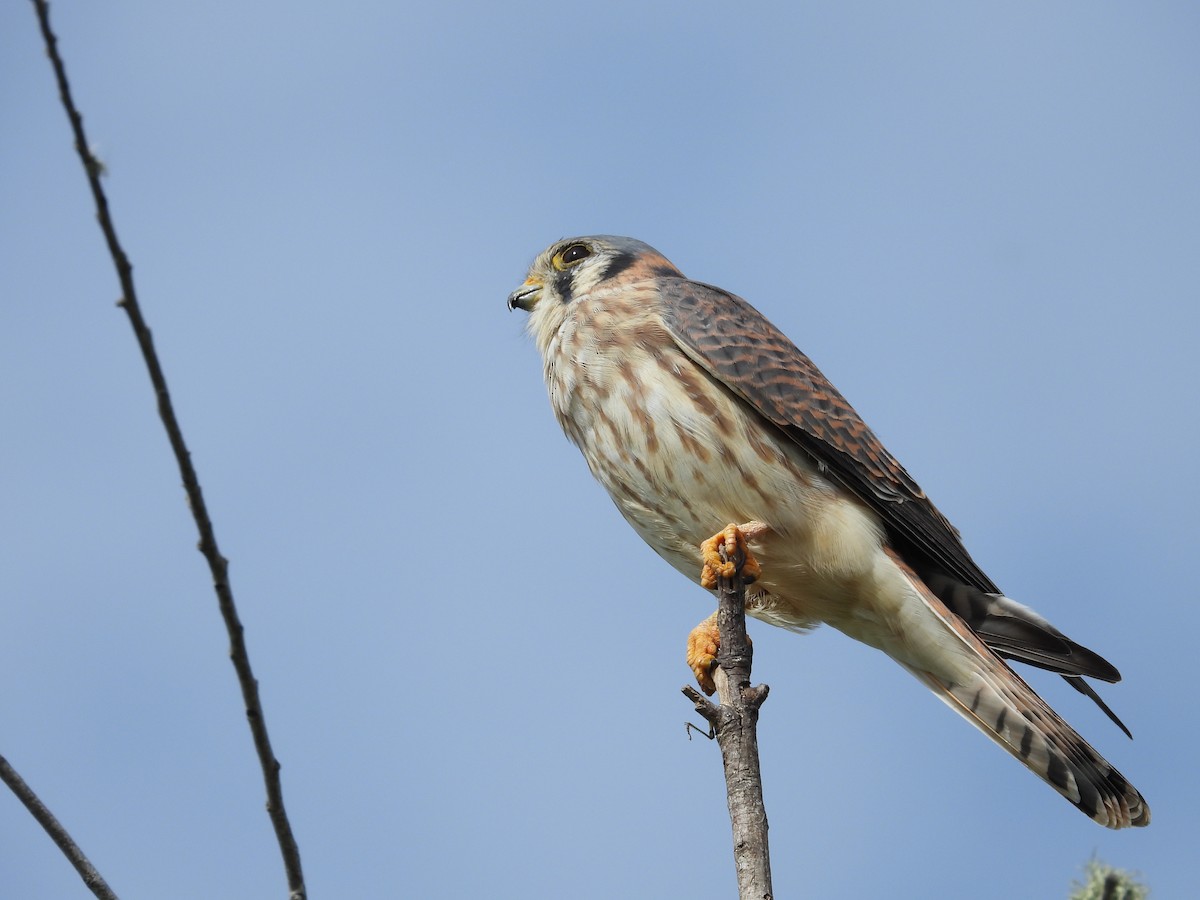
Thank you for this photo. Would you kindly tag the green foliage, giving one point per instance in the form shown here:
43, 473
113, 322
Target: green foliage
1103, 882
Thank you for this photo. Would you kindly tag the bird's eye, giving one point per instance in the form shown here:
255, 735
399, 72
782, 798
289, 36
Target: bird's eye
575, 253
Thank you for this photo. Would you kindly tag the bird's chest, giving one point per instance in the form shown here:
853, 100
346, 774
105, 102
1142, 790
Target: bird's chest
679, 454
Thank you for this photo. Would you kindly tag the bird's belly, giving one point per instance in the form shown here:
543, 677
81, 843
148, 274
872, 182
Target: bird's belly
682, 457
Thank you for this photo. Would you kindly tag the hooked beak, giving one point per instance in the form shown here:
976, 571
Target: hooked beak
526, 296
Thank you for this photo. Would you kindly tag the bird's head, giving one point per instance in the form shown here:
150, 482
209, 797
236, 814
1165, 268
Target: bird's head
576, 267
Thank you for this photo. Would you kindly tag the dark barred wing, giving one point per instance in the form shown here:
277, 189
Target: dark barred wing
737, 346
741, 349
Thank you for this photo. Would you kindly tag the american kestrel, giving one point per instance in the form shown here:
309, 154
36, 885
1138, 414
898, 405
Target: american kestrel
694, 411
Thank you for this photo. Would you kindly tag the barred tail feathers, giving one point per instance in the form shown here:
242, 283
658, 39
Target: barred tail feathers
1001, 705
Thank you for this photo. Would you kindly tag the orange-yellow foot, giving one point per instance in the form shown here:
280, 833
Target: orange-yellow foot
733, 539
703, 642
702, 645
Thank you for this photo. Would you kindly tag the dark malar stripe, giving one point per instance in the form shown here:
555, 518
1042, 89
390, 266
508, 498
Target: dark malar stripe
564, 285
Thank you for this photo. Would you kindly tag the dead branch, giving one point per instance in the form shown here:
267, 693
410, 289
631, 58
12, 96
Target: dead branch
735, 723
93, 879
217, 563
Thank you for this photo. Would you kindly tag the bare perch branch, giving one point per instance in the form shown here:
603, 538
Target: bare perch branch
94, 881
217, 564
735, 723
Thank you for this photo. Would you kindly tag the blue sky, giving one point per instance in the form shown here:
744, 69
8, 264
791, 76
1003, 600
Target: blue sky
982, 223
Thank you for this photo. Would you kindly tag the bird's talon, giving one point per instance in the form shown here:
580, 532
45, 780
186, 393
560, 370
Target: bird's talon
702, 645
733, 539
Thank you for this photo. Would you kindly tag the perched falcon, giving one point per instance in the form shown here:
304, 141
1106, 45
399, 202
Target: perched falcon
694, 411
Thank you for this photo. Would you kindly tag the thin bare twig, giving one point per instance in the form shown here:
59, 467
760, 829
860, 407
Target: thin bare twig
735, 723
93, 879
217, 563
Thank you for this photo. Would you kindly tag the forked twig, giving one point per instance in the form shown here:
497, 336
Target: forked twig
735, 723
